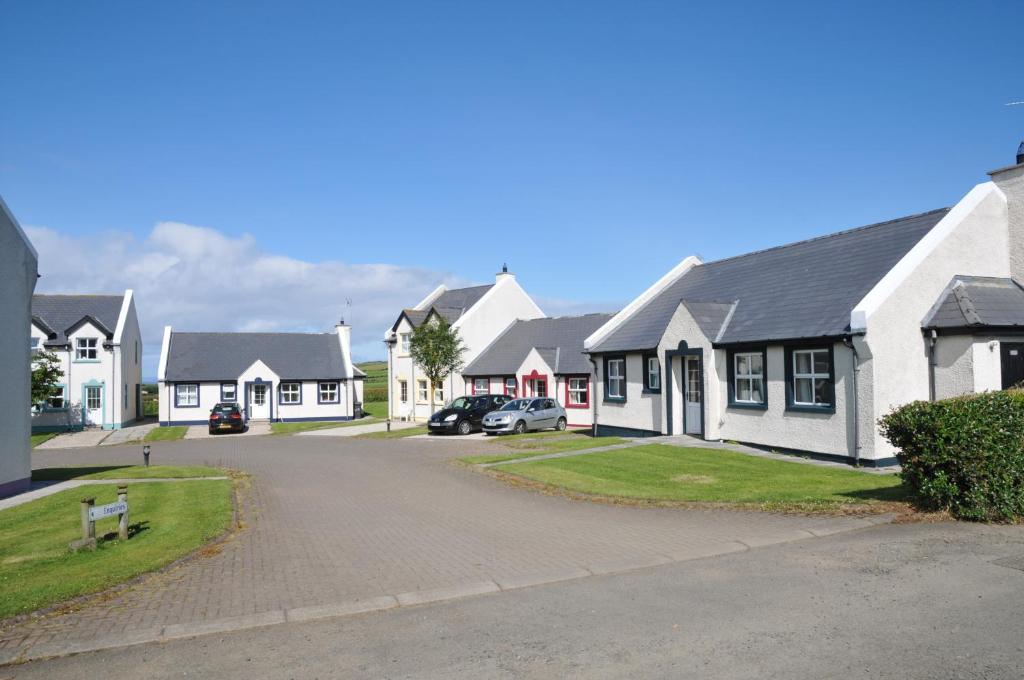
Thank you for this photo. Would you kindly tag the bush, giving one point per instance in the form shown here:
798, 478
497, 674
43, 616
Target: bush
965, 455
375, 394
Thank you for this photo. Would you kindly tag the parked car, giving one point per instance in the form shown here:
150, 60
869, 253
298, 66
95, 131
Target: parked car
465, 414
525, 415
226, 417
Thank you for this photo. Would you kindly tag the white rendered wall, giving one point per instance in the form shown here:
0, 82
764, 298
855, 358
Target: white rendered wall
640, 411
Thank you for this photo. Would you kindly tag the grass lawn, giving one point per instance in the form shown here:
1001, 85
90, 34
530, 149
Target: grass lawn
38, 439
290, 428
125, 472
394, 434
168, 520
656, 472
164, 434
525, 445
377, 409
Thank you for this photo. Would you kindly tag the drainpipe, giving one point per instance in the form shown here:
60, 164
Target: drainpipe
848, 341
932, 361
593, 394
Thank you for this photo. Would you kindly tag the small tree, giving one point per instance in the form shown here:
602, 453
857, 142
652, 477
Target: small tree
437, 348
46, 375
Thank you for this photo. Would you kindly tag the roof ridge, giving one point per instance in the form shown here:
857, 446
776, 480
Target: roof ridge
842, 232
110, 295
174, 332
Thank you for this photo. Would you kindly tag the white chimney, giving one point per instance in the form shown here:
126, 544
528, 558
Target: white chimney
504, 274
345, 340
1010, 181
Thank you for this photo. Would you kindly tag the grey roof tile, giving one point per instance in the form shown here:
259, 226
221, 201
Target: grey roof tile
61, 312
980, 301
801, 290
558, 340
224, 356
450, 305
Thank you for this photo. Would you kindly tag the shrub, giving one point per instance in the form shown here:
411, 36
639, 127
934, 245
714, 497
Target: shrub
375, 394
965, 455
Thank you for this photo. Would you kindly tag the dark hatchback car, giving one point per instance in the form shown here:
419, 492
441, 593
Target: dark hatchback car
226, 418
465, 414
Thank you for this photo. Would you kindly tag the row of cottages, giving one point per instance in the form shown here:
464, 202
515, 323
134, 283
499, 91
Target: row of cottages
540, 358
19, 264
97, 340
805, 346
478, 314
283, 377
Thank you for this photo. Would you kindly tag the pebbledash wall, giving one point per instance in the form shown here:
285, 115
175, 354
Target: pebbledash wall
975, 238
503, 304
117, 371
18, 262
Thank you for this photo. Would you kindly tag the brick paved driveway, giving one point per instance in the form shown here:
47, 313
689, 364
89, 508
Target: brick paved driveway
335, 520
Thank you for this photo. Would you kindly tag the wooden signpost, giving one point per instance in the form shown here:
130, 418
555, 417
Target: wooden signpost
90, 512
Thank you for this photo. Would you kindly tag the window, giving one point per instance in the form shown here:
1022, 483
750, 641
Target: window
327, 393
403, 389
615, 379
747, 387
421, 390
652, 373
404, 343
511, 387
259, 395
578, 393
57, 398
34, 344
186, 396
439, 395
228, 392
537, 387
85, 349
125, 396
93, 398
291, 393
481, 386
810, 378
136, 352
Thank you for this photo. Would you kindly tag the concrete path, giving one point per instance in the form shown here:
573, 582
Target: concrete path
339, 525
48, 489
74, 440
353, 430
255, 429
132, 433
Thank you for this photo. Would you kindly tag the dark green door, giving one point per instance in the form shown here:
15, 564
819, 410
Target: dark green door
1012, 356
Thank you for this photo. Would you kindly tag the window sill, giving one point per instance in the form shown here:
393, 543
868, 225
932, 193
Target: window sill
581, 406
647, 391
748, 407
797, 408
85, 361
615, 400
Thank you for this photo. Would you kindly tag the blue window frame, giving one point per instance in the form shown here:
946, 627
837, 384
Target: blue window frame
229, 392
289, 394
615, 378
186, 395
328, 392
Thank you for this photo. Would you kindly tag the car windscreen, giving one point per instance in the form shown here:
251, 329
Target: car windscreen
225, 408
460, 404
516, 405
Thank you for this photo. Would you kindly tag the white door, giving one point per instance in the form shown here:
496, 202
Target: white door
693, 396
259, 401
92, 408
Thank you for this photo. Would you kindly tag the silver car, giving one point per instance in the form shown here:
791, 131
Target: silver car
522, 415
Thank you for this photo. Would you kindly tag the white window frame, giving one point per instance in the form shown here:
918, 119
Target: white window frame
61, 392
328, 387
439, 395
184, 393
618, 378
653, 373
224, 387
514, 384
422, 391
812, 376
90, 392
481, 390
34, 344
748, 376
403, 342
87, 349
403, 390
577, 387
290, 393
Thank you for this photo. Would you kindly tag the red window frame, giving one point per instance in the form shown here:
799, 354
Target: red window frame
473, 390
568, 403
515, 386
540, 377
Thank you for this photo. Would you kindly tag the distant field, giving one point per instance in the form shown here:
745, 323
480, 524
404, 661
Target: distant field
375, 387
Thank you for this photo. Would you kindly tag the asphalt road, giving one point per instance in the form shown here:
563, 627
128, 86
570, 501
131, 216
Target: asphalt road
895, 601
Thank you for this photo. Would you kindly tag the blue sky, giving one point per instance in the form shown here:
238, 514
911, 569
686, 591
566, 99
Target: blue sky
590, 145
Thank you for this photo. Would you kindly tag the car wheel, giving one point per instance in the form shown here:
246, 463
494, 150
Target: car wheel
465, 427
560, 425
520, 427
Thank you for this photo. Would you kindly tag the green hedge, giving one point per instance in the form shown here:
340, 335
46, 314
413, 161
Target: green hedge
965, 455
375, 394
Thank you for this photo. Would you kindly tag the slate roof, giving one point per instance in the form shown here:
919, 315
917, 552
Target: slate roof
980, 301
58, 313
451, 305
558, 340
801, 290
225, 356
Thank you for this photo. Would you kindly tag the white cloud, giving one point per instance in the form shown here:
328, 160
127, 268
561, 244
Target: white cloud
200, 279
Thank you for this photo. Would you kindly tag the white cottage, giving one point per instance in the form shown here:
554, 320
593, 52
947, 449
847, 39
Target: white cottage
18, 265
479, 314
805, 346
541, 358
285, 377
97, 339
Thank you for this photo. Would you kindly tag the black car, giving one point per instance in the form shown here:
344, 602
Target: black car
465, 414
226, 418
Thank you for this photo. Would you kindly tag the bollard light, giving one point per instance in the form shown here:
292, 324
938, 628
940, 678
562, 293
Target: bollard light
145, 454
